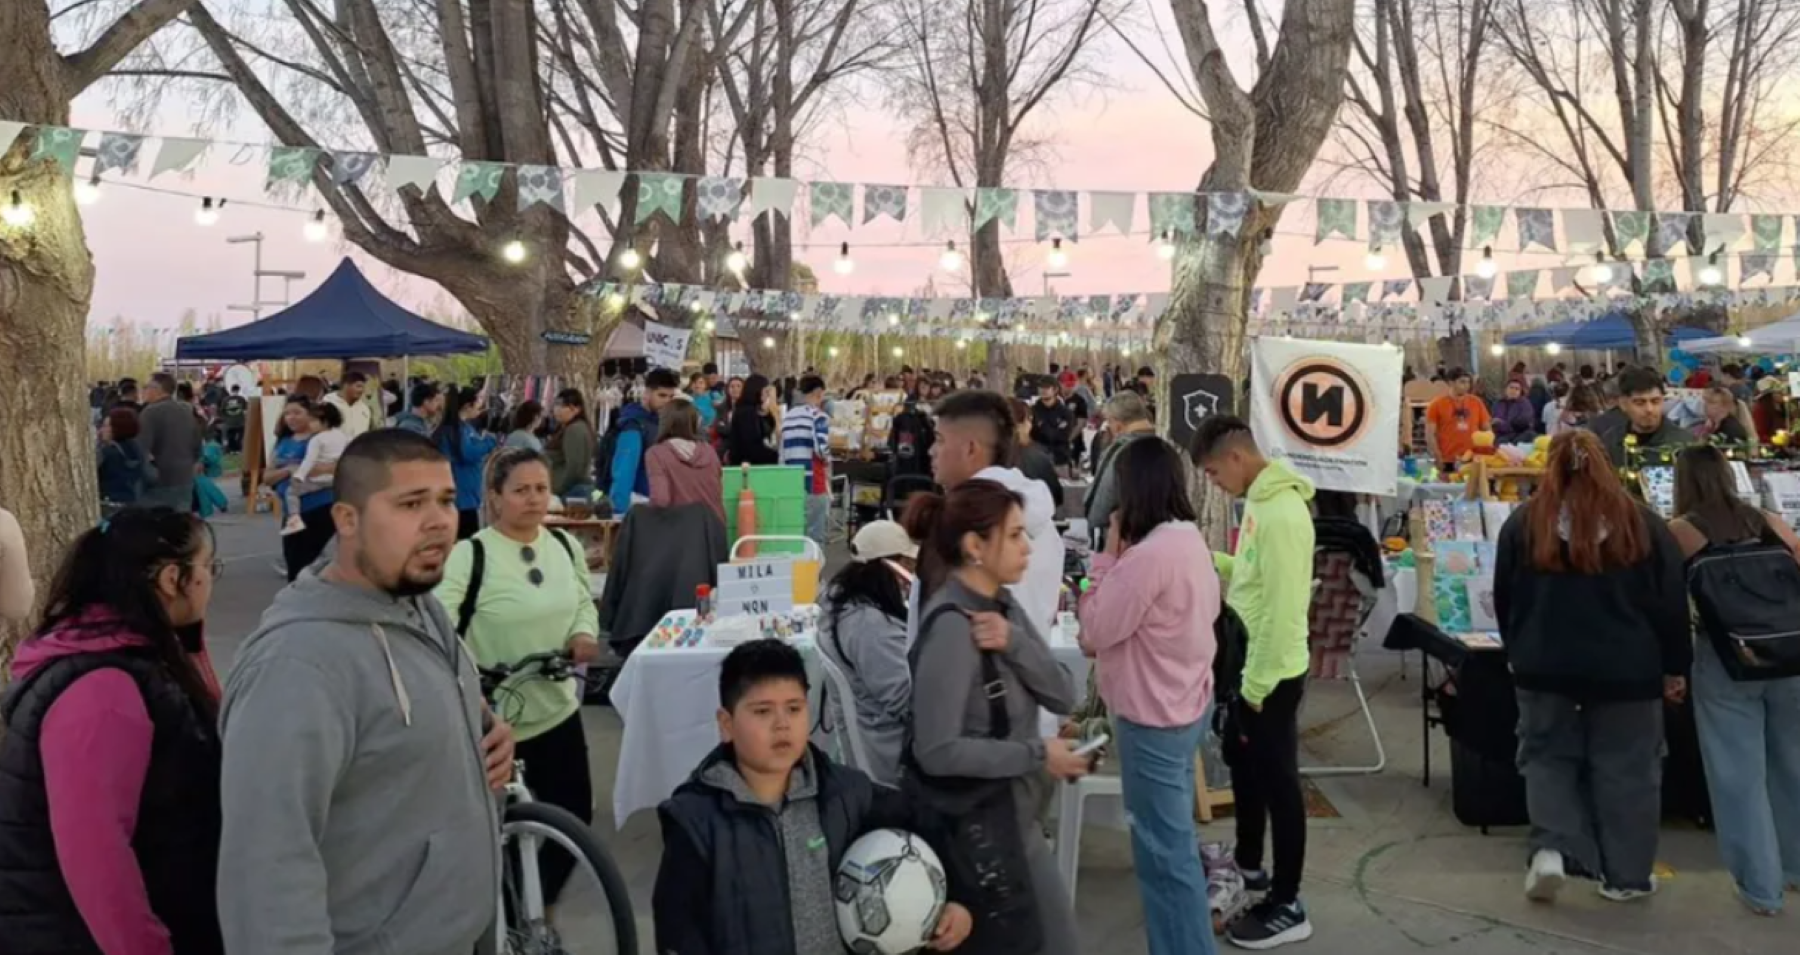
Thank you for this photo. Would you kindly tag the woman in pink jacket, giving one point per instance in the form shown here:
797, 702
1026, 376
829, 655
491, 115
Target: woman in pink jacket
1148, 620
109, 763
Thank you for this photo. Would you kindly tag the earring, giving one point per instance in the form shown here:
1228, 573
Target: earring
977, 562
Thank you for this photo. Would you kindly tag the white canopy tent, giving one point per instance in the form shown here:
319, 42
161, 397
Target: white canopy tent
1782, 336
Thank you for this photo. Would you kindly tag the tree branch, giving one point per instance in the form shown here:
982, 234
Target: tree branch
112, 46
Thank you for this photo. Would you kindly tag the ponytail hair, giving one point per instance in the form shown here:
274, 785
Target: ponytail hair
114, 566
939, 521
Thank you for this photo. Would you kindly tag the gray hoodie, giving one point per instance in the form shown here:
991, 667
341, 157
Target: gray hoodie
357, 817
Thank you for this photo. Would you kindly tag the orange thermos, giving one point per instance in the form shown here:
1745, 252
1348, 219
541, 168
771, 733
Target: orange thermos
746, 518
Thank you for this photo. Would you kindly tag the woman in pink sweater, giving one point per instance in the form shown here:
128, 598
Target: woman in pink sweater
1148, 620
682, 468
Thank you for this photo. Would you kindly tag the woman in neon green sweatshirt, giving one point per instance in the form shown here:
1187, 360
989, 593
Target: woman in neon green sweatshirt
1269, 584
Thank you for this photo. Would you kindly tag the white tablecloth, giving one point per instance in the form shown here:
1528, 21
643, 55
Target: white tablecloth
668, 698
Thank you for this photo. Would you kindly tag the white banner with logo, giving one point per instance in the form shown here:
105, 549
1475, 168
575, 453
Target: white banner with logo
665, 347
1331, 409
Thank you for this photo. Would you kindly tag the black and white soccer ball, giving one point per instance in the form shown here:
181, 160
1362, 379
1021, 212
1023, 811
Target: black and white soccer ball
890, 893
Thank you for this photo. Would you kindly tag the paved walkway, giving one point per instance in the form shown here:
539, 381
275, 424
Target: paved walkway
1396, 873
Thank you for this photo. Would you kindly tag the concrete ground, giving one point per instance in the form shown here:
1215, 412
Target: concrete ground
1395, 873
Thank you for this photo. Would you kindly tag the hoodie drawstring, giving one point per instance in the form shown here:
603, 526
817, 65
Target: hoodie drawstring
394, 675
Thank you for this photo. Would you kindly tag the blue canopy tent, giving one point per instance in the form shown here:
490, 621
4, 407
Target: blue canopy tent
345, 317
1609, 332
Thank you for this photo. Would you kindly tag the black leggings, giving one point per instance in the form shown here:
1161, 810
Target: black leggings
1265, 788
556, 771
298, 551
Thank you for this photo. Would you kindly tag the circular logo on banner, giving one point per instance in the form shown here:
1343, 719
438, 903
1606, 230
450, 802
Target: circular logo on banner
1323, 402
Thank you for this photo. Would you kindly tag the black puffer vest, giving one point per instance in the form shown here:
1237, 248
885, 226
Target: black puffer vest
177, 837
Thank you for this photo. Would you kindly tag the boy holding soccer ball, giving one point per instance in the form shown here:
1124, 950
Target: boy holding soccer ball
751, 843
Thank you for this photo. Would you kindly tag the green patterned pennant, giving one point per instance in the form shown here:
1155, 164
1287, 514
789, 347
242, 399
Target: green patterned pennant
1659, 275
1484, 225
1631, 227
59, 143
658, 192
1355, 292
478, 179
1765, 233
1336, 217
992, 204
292, 164
1172, 212
1522, 284
832, 199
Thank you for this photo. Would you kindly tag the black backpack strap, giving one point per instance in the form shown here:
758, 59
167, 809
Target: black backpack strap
992, 686
563, 539
465, 611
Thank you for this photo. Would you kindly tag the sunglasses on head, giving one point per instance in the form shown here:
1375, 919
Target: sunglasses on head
533, 573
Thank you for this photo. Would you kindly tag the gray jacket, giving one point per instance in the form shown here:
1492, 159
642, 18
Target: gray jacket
950, 707
1103, 495
870, 647
170, 436
357, 816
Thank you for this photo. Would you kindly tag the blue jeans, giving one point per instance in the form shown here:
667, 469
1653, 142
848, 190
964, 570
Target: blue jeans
1750, 739
1156, 768
818, 517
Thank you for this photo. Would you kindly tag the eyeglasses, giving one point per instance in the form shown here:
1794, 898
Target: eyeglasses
533, 573
217, 567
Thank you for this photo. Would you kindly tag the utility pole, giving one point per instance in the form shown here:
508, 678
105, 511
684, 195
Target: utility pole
258, 273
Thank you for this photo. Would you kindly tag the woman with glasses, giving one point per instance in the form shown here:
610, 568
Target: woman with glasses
109, 752
530, 595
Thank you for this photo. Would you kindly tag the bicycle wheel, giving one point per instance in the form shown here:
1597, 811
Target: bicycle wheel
593, 914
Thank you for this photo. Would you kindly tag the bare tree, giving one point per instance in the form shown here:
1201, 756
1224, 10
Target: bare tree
974, 74
47, 279
1659, 67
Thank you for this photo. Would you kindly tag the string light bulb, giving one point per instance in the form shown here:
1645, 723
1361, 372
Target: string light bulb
768, 341
736, 260
316, 230
1165, 249
629, 260
87, 192
1553, 349
615, 300
208, 213
1710, 273
893, 319
1266, 247
898, 351
844, 264
1057, 259
513, 251
1487, 268
962, 343
1603, 270
708, 325
951, 260
1744, 341
1375, 261
1496, 349
1088, 322
17, 214
832, 351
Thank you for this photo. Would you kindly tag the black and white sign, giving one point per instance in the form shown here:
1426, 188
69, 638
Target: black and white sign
755, 587
665, 347
1194, 398
555, 337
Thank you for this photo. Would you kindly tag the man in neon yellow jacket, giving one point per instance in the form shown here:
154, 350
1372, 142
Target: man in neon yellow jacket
1270, 586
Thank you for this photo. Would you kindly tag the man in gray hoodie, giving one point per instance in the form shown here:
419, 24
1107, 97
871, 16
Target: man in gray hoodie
358, 812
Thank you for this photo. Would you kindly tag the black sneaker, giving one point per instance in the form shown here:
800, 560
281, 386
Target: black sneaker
1255, 880
1270, 925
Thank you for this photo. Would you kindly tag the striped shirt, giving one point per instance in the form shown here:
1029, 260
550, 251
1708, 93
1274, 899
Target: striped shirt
805, 442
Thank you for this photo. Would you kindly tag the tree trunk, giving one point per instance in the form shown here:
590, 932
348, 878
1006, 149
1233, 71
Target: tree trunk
46, 283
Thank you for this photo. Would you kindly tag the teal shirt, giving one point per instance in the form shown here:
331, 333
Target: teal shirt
513, 618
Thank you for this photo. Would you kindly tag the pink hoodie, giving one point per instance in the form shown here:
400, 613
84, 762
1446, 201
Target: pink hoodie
95, 745
1148, 618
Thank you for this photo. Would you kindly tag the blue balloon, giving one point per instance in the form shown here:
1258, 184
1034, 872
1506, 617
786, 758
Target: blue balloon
1677, 375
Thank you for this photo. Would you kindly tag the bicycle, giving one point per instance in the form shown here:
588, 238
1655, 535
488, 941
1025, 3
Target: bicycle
528, 827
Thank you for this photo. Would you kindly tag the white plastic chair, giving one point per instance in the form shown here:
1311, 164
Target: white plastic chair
813, 551
843, 700
1071, 803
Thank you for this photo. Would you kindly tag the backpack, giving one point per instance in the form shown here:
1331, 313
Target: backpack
465, 611
1233, 640
609, 446
1748, 597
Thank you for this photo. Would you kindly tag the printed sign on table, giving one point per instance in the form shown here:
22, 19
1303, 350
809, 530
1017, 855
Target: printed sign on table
755, 588
665, 347
1331, 409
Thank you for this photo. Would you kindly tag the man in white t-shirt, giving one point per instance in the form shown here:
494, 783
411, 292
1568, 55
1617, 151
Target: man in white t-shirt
358, 417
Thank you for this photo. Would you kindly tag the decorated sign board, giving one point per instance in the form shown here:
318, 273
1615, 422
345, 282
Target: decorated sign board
1195, 398
1331, 409
755, 588
665, 347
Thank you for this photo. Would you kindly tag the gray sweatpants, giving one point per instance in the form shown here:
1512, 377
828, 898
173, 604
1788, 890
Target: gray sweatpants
1593, 783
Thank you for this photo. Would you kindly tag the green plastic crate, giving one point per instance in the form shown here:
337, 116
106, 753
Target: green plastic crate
780, 504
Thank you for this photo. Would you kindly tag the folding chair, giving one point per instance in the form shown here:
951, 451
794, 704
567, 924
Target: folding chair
1341, 602
837, 716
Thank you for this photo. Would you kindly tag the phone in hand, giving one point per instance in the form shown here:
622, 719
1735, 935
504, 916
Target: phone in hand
1092, 746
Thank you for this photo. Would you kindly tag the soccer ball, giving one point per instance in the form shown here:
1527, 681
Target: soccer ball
890, 893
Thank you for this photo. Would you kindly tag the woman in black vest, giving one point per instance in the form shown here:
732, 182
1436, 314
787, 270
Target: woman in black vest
109, 763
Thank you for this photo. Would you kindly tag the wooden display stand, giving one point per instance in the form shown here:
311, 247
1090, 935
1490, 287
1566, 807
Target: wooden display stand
1207, 801
1481, 477
597, 537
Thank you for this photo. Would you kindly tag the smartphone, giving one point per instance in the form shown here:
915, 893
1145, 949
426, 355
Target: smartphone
1092, 746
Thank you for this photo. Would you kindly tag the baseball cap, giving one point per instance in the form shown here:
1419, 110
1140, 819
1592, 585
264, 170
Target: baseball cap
1067, 380
882, 539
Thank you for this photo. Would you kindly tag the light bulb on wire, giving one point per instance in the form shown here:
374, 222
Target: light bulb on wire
513, 251
629, 260
87, 192
1057, 260
1375, 261
736, 260
1710, 273
1496, 349
844, 264
768, 341
951, 260
316, 229
962, 343
208, 213
17, 214
1553, 349
1165, 249
832, 351
1487, 268
899, 352
1745, 342
1603, 270
708, 325
893, 319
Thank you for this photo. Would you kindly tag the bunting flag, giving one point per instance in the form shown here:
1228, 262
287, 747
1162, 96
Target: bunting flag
417, 172
348, 169
831, 200
1585, 229
1356, 291
1720, 231
773, 195
659, 192
596, 187
9, 134
1671, 230
1659, 275
1055, 212
478, 179
1336, 217
881, 201
1418, 213
1172, 213
1111, 209
1393, 288
1478, 287
1631, 227
540, 185
1225, 212
1484, 225
996, 205
1386, 219
1752, 264
1536, 227
1522, 284
1765, 233
718, 198
944, 211
58, 143
293, 165
1435, 288
1563, 279
116, 152
1313, 291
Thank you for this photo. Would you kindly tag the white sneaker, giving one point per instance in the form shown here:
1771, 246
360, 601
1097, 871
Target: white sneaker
1611, 894
1545, 876
294, 525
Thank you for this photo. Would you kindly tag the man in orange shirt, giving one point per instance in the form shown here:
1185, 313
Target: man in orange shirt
1452, 420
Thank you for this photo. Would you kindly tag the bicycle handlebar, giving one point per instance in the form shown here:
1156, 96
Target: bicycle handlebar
549, 664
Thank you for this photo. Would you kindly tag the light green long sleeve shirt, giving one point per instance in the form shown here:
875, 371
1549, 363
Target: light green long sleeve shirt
1269, 578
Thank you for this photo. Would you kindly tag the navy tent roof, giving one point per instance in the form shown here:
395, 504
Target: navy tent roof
345, 317
1608, 332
